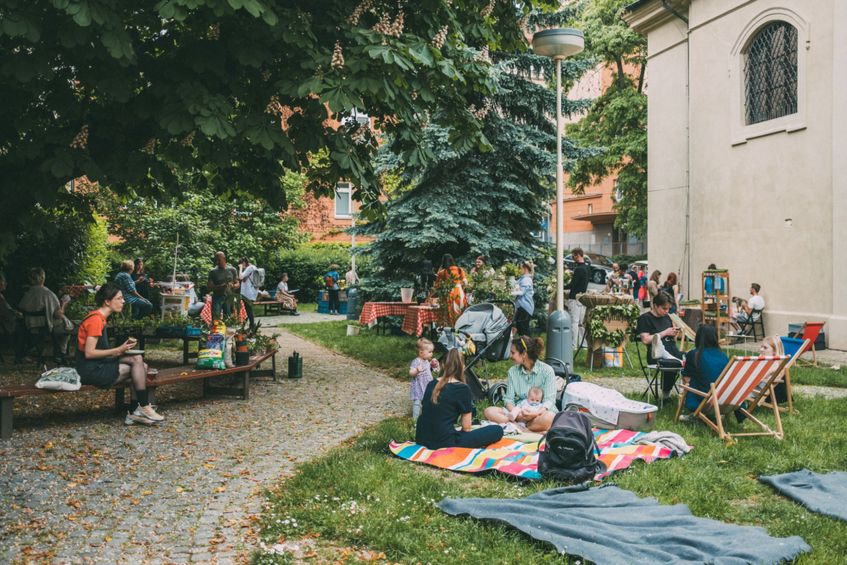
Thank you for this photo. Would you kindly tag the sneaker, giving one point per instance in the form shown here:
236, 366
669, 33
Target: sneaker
657, 349
137, 417
150, 413
686, 418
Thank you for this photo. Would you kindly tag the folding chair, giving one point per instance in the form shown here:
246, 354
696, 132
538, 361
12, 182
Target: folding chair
36, 330
754, 320
810, 333
739, 383
686, 334
653, 373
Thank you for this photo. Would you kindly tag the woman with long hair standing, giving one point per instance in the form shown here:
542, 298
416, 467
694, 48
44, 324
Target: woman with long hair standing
447, 400
450, 273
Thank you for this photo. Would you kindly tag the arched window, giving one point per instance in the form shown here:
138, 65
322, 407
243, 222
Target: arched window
770, 73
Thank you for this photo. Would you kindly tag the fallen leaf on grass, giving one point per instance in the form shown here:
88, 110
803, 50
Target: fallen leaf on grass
221, 488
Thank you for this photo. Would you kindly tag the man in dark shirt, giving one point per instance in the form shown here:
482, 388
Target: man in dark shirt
656, 331
578, 285
223, 280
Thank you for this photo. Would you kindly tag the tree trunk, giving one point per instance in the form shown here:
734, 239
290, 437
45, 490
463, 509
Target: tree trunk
641, 76
621, 77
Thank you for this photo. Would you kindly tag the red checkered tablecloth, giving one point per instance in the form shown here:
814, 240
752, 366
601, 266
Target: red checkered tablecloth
417, 318
372, 311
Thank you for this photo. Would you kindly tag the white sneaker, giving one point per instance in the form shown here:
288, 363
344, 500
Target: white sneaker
150, 413
658, 349
137, 417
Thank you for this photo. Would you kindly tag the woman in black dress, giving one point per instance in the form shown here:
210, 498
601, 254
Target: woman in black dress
103, 366
444, 402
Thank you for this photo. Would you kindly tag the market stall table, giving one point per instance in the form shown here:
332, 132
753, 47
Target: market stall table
592, 300
419, 317
373, 311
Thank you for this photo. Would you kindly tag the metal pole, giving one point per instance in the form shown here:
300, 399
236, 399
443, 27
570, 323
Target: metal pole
353, 245
560, 195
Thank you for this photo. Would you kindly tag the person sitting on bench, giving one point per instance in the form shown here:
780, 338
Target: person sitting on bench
286, 298
104, 366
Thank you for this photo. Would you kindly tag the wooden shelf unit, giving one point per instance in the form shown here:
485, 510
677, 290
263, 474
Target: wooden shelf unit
717, 301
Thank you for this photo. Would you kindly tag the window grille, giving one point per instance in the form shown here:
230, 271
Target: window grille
770, 71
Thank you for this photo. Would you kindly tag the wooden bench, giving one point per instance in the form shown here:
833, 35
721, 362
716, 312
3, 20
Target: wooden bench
273, 307
165, 377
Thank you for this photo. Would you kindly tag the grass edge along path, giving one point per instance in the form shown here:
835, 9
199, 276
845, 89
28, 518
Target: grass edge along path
393, 354
360, 495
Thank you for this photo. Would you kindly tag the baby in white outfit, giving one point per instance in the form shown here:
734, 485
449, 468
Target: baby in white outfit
532, 402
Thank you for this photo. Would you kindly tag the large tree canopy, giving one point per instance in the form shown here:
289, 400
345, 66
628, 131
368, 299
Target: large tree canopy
221, 95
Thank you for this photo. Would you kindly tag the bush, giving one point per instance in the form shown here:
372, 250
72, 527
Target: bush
69, 246
306, 265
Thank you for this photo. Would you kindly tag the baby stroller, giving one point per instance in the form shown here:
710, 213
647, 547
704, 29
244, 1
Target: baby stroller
483, 333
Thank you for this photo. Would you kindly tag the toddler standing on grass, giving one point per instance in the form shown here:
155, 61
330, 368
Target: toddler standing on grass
421, 372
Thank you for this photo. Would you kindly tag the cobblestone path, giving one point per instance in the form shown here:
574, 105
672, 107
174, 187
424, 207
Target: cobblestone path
95, 490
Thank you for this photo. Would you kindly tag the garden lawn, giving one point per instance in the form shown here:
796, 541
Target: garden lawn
394, 353
360, 495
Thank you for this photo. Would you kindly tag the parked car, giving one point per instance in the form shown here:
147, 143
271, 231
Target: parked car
599, 266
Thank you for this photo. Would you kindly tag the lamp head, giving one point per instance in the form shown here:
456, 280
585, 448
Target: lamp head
558, 43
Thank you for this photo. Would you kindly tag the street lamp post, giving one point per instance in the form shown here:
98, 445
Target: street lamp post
559, 44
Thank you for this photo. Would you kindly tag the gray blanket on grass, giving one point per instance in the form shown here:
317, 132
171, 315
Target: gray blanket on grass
612, 525
826, 494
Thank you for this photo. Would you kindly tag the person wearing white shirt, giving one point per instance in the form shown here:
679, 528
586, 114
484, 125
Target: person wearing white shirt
746, 307
248, 289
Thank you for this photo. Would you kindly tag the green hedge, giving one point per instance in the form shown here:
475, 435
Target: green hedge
306, 265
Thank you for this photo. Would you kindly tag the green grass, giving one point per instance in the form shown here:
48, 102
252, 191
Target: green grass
394, 353
360, 495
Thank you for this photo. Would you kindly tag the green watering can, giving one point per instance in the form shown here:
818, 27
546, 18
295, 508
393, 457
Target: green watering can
295, 366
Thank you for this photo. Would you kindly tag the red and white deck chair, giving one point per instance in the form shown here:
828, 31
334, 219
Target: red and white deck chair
739, 383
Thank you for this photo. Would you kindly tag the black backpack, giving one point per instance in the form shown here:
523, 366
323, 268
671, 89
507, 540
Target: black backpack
569, 454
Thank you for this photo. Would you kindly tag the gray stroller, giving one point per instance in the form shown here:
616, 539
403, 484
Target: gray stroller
491, 332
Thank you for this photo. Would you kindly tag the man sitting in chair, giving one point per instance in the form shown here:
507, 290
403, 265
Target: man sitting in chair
656, 330
746, 307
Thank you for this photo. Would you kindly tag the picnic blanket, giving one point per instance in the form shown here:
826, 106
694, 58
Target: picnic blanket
618, 449
819, 493
612, 525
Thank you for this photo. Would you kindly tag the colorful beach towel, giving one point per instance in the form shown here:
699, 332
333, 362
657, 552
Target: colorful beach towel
617, 449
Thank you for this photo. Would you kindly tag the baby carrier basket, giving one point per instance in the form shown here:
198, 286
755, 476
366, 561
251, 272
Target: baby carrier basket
490, 331
607, 408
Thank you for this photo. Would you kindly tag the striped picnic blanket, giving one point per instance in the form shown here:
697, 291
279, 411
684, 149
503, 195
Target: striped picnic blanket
617, 449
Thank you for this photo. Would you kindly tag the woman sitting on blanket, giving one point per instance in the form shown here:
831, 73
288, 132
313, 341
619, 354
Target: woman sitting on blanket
444, 401
528, 372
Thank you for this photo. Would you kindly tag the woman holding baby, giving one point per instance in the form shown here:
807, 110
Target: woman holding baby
526, 379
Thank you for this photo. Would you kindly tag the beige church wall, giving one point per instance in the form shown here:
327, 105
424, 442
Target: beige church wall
838, 322
667, 114
762, 208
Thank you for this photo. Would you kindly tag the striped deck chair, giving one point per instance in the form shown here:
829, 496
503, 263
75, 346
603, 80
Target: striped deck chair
735, 386
686, 334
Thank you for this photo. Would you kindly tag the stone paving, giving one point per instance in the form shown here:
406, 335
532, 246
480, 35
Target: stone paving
95, 490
